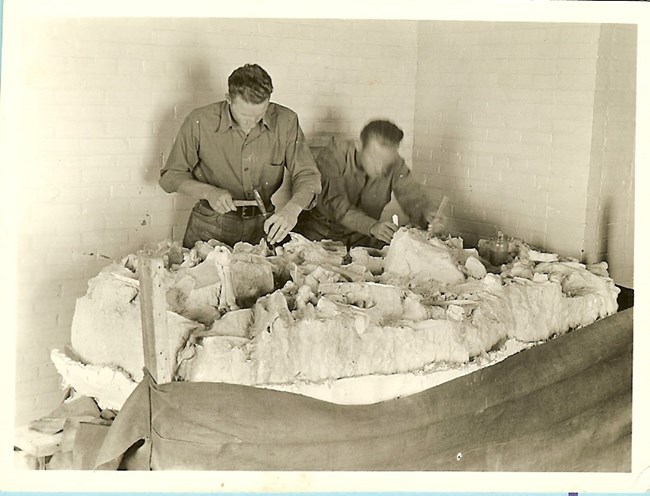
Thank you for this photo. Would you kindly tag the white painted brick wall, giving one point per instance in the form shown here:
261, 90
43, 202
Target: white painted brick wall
498, 117
610, 204
102, 101
521, 97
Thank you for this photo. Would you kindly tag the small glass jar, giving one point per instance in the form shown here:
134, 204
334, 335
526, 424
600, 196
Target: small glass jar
499, 251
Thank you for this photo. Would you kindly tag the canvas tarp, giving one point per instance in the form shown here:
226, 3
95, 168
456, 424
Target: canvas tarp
561, 406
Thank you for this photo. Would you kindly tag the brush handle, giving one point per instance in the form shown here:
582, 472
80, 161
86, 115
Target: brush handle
441, 207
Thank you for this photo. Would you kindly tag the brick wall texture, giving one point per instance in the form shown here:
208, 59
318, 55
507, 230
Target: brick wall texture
528, 127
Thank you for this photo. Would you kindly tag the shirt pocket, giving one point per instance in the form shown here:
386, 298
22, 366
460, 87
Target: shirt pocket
278, 155
273, 170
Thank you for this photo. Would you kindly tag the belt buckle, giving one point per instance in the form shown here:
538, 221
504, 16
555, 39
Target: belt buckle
248, 211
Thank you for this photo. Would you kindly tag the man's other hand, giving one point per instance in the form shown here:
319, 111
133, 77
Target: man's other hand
278, 225
383, 231
221, 201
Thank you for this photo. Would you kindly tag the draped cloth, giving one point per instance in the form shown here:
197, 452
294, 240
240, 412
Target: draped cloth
564, 406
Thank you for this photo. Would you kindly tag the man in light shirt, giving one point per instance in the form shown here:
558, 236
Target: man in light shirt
226, 150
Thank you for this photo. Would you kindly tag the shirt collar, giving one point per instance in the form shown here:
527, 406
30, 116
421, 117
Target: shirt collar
270, 117
226, 122
356, 163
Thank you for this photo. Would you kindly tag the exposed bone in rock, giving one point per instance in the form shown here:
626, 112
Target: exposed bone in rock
536, 256
227, 299
475, 268
373, 262
194, 292
299, 249
199, 289
330, 324
235, 323
600, 269
267, 310
519, 268
349, 320
252, 277
305, 299
412, 254
382, 302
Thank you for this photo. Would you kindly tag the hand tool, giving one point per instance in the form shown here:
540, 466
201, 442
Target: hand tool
347, 258
441, 208
439, 213
260, 204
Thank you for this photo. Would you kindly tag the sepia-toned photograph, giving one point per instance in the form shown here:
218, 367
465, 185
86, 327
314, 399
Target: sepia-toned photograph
323, 244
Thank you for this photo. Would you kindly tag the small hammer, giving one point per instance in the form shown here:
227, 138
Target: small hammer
245, 203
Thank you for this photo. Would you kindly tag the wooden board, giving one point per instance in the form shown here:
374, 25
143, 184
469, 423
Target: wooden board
153, 310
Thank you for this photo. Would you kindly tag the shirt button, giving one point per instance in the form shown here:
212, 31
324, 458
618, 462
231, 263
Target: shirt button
245, 169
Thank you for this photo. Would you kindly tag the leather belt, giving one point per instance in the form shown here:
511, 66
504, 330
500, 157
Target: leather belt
247, 211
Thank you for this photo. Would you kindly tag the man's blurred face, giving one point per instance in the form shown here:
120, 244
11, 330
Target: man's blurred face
376, 156
246, 114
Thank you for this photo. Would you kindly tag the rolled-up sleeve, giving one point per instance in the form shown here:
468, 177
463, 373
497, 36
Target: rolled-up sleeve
412, 196
333, 201
305, 177
183, 156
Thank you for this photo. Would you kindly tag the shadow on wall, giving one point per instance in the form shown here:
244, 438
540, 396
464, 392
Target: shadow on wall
490, 226
461, 219
197, 83
603, 229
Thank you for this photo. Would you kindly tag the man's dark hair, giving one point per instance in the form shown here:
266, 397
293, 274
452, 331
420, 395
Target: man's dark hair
384, 131
250, 82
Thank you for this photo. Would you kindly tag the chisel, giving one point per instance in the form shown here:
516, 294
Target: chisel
441, 208
260, 204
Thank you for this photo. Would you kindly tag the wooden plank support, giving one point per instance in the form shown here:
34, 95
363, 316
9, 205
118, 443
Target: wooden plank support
153, 310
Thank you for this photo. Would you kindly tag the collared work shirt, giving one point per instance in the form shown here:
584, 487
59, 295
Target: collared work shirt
352, 202
212, 149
